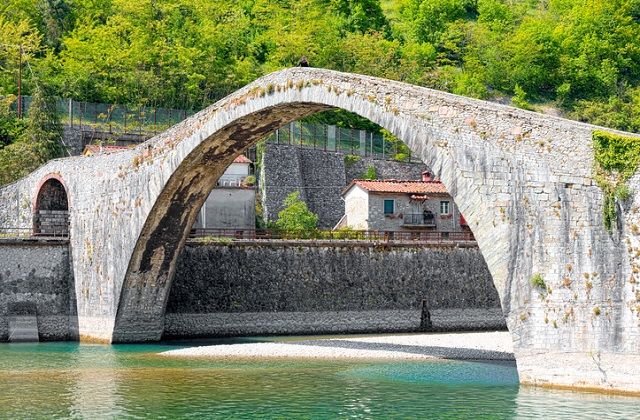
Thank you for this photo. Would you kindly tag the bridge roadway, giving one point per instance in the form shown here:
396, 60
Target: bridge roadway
522, 180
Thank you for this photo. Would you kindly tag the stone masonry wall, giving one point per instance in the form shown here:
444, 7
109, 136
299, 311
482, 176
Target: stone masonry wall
320, 176
38, 276
297, 287
385, 169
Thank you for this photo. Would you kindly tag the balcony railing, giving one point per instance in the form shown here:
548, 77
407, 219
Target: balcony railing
231, 180
418, 220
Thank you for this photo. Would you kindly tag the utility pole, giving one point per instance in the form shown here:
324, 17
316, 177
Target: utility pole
20, 85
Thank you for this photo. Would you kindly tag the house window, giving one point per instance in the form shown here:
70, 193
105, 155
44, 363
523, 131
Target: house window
389, 206
444, 207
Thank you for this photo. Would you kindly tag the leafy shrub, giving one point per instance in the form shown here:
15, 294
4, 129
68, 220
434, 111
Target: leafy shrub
351, 159
296, 217
616, 160
520, 99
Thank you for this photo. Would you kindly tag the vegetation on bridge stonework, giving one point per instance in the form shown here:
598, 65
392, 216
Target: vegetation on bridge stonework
581, 58
616, 160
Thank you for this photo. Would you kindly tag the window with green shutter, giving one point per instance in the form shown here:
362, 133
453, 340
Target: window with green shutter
389, 206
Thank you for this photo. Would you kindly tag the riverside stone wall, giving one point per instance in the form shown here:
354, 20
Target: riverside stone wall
301, 287
36, 279
320, 176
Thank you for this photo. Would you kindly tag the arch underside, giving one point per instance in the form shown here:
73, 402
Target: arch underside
152, 266
145, 291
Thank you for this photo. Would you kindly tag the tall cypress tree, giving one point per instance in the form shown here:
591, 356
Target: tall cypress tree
44, 130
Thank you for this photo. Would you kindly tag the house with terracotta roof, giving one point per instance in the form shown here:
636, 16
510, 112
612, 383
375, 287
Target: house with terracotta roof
392, 204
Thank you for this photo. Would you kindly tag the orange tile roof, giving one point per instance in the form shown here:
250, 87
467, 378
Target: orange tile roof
92, 149
242, 159
398, 186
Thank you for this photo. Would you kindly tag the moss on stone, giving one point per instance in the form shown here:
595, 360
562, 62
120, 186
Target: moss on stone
538, 281
616, 159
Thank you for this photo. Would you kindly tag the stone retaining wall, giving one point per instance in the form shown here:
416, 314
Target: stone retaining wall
36, 279
311, 288
272, 288
327, 322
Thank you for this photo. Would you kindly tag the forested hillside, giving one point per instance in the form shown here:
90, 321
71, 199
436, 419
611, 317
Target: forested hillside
578, 57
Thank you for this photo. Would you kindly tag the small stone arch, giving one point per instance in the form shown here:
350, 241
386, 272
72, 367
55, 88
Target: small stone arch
51, 208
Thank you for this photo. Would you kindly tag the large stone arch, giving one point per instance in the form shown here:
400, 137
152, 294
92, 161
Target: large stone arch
149, 274
523, 181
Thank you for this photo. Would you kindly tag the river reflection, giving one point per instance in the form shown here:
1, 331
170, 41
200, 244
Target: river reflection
95, 391
542, 403
67, 380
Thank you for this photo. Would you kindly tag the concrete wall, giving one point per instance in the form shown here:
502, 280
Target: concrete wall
234, 175
298, 287
229, 208
37, 277
356, 208
320, 176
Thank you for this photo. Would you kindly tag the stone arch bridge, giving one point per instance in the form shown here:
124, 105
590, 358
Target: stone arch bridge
522, 180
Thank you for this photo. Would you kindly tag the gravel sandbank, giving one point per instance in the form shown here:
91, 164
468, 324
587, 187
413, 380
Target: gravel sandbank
466, 346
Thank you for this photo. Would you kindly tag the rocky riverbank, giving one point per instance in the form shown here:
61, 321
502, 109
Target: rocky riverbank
459, 346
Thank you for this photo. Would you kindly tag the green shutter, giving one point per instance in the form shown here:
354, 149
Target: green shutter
388, 206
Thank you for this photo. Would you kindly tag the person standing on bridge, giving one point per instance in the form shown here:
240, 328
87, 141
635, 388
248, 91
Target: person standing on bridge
303, 62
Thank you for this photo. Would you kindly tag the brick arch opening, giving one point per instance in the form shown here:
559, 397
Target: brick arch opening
51, 210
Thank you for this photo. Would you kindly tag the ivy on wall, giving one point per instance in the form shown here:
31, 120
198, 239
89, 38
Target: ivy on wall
616, 160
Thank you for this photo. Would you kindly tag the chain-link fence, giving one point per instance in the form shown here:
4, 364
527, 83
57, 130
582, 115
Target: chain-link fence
142, 120
339, 139
113, 118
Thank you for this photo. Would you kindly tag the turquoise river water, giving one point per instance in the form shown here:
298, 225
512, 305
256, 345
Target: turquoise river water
70, 380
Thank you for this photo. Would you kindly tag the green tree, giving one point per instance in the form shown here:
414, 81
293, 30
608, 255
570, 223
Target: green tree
39, 139
11, 128
43, 127
15, 36
296, 217
362, 15
395, 147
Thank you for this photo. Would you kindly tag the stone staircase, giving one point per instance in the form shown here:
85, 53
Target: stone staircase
23, 323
